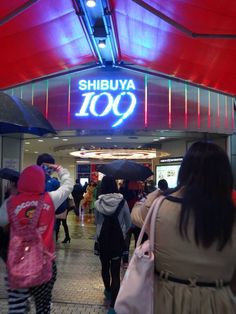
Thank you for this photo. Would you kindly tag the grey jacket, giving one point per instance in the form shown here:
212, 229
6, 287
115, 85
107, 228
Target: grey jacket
107, 205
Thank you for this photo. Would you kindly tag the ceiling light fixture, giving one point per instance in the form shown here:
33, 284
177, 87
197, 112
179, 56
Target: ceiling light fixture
91, 3
102, 43
118, 154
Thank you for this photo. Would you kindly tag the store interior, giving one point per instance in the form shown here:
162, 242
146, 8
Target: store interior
82, 153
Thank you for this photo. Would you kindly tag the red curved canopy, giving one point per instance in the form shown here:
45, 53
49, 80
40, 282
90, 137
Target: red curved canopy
44, 39
193, 40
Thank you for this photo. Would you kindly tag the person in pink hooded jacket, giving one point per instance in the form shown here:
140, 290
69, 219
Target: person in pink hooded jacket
31, 187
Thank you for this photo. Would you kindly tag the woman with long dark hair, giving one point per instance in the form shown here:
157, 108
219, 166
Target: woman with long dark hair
112, 218
195, 237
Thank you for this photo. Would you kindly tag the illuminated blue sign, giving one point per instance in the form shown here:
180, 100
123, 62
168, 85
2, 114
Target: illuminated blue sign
89, 106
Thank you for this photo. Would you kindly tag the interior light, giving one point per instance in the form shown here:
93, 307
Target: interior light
65, 139
91, 3
102, 43
27, 143
40, 140
117, 154
56, 138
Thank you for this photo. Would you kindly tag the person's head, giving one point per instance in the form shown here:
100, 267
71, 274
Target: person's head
77, 181
45, 158
206, 165
32, 180
48, 159
207, 181
108, 185
162, 185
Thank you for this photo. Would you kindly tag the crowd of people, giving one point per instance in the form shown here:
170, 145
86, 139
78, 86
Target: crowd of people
195, 232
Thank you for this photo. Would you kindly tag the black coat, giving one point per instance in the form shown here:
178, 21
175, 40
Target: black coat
77, 192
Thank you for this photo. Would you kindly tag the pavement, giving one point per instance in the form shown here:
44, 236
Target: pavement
79, 287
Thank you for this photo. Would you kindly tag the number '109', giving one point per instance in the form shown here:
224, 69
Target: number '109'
90, 102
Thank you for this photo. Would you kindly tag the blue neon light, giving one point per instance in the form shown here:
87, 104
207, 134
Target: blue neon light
91, 98
106, 85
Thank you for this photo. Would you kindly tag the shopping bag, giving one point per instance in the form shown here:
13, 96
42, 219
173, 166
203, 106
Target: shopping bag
136, 294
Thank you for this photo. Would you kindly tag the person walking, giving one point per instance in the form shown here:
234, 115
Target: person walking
107, 205
52, 184
195, 237
62, 219
31, 190
77, 194
88, 198
17, 298
131, 196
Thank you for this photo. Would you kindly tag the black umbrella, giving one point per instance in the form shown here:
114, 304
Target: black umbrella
9, 174
126, 169
16, 116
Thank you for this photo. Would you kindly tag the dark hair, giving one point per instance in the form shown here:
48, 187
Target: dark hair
108, 185
45, 158
162, 185
207, 180
77, 181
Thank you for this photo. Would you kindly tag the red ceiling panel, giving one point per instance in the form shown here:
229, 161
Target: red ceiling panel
149, 41
200, 16
46, 38
9, 6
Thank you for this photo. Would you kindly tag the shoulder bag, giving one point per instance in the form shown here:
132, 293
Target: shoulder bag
136, 294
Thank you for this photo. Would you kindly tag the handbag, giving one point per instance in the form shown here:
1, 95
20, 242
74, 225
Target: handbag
96, 248
136, 294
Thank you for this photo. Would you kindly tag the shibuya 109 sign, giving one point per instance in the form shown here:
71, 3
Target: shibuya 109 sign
106, 98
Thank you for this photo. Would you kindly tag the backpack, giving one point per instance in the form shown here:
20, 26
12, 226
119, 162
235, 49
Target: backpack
111, 240
29, 264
